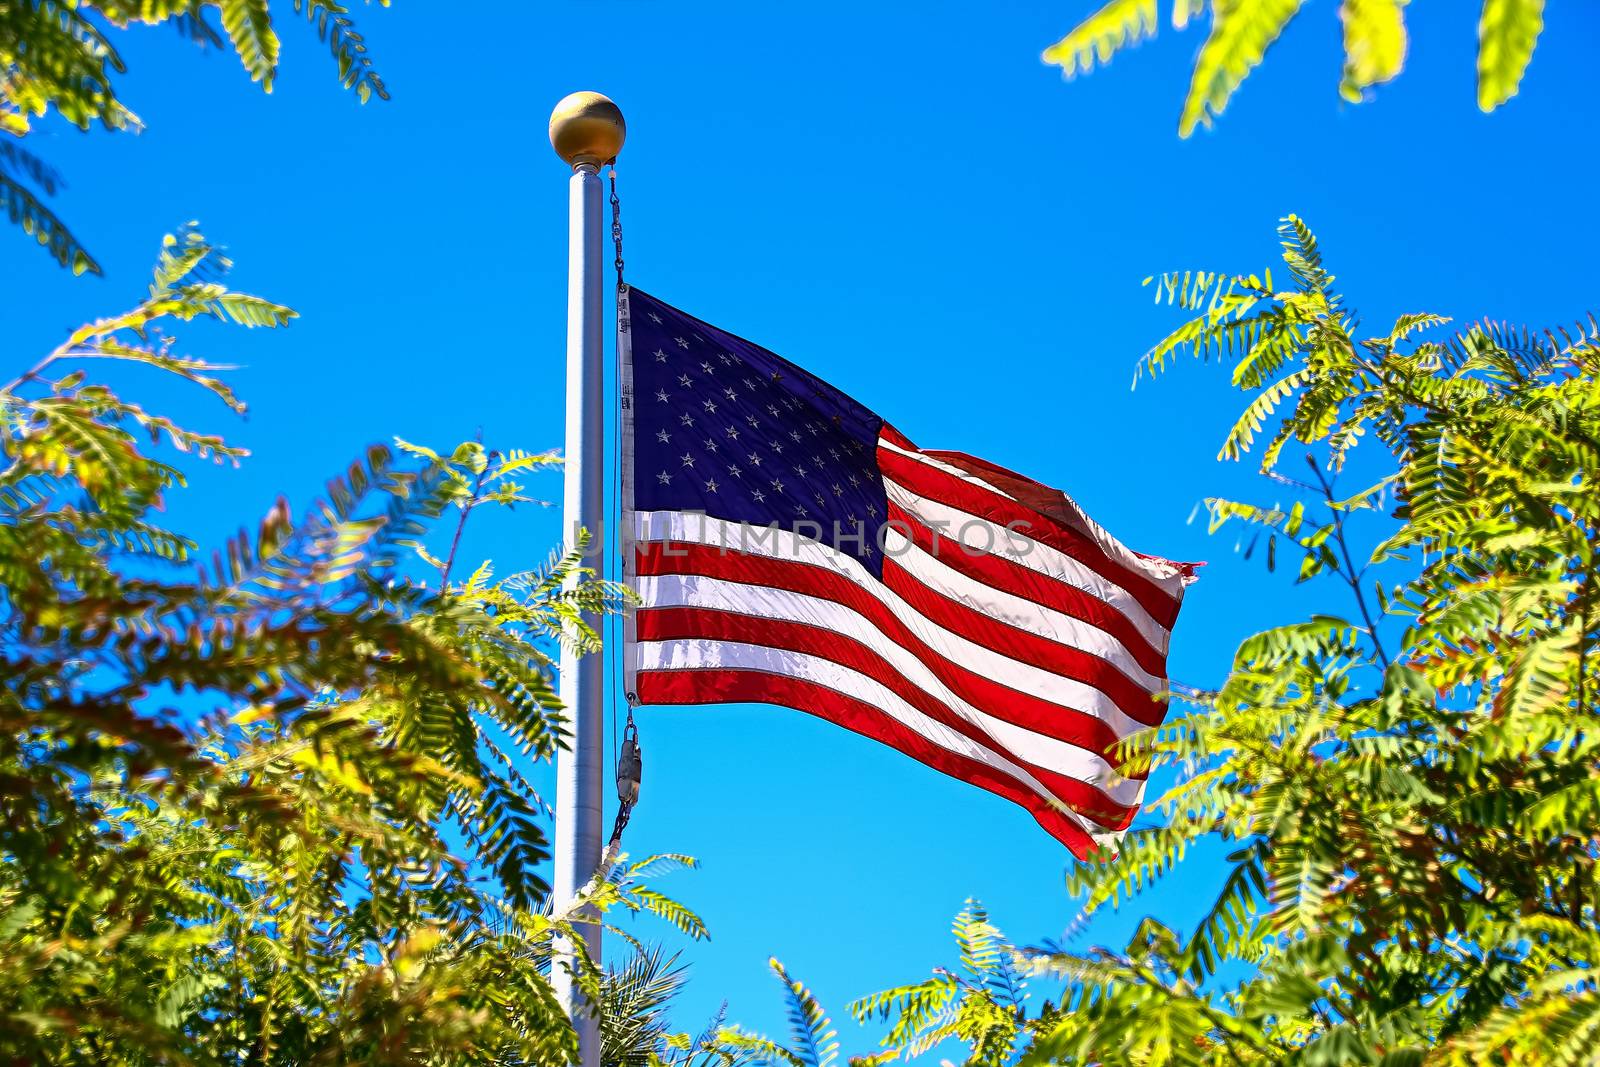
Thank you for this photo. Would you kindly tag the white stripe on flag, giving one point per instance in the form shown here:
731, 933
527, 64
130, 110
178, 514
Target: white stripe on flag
940, 465
1016, 546
1029, 616
1171, 578
693, 528
730, 655
762, 602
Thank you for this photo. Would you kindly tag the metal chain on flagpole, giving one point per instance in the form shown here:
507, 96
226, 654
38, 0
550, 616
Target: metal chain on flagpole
616, 224
613, 624
627, 759
630, 768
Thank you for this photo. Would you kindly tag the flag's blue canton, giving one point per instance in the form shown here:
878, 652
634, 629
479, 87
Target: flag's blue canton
726, 427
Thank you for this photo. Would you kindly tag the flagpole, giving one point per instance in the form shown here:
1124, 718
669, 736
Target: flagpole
586, 130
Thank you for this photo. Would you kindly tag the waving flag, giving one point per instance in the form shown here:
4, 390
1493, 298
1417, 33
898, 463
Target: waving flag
790, 547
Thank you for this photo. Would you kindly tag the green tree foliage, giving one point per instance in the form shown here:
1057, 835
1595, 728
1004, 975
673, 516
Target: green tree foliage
813, 1040
1242, 31
634, 1000
1408, 797
639, 1025
58, 55
981, 1003
268, 806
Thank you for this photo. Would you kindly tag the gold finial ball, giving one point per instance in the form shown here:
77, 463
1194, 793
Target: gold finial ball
587, 128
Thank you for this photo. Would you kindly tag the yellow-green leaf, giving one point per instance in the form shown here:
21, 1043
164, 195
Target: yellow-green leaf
252, 714
1241, 33
249, 26
336, 770
1507, 33
1374, 44
1097, 38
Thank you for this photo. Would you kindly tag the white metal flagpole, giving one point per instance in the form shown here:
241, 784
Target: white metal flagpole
586, 130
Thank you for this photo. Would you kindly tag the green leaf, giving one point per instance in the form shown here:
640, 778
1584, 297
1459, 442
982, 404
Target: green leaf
816, 1042
25, 209
1374, 44
1241, 33
249, 27
1096, 39
1507, 33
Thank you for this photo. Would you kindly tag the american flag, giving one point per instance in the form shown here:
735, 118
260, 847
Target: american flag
790, 547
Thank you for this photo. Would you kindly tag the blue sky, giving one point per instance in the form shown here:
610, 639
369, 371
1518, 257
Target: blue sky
899, 197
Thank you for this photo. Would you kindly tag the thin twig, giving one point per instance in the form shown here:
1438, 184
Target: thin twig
34, 371
461, 523
1353, 576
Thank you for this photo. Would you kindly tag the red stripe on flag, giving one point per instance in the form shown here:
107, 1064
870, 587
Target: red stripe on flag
724, 686
810, 580
1069, 662
990, 504
667, 624
1003, 574
895, 437
1035, 495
